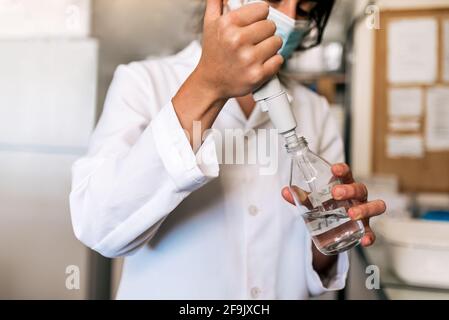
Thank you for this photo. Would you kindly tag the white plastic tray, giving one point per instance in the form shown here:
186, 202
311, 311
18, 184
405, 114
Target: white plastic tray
418, 250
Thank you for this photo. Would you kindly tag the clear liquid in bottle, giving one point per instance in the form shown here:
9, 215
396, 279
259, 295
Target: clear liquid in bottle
327, 219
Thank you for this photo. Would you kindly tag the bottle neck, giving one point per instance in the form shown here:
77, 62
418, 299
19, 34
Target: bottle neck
294, 143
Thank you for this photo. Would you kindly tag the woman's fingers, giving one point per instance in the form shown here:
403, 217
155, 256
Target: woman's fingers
356, 191
301, 195
287, 195
214, 10
268, 48
370, 237
249, 14
343, 172
273, 65
367, 210
259, 31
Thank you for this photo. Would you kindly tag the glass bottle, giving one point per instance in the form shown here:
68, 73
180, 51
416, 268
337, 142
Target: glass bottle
326, 219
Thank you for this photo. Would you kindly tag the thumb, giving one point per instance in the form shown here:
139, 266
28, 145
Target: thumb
214, 10
301, 195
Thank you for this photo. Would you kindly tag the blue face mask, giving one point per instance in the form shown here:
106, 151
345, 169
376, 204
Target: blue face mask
290, 30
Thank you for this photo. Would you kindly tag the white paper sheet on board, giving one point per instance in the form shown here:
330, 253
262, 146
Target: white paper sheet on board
446, 51
437, 123
405, 146
413, 50
404, 125
405, 102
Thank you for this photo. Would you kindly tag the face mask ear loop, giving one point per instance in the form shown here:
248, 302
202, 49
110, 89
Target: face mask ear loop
303, 24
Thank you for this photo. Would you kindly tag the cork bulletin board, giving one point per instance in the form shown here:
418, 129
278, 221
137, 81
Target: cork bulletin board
411, 99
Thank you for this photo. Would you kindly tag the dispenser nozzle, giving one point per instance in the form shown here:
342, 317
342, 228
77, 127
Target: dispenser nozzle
274, 100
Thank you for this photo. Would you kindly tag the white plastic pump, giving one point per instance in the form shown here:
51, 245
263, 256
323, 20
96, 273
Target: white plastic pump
274, 100
271, 95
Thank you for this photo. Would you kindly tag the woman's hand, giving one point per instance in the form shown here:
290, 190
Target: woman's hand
239, 49
349, 190
239, 55
364, 209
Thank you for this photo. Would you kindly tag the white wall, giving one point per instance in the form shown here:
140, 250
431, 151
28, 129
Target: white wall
47, 109
48, 83
130, 30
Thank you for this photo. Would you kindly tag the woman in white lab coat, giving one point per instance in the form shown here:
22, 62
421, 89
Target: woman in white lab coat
189, 226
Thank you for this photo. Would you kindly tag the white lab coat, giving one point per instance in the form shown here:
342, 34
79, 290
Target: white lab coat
194, 229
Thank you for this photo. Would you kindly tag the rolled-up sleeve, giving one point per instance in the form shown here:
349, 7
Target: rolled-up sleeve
187, 170
137, 171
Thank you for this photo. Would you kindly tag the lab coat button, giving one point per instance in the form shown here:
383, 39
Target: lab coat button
253, 210
255, 292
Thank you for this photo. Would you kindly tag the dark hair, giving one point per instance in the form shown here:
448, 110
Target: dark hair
319, 17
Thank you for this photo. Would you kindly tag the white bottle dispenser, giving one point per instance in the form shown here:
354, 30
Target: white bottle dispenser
273, 99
